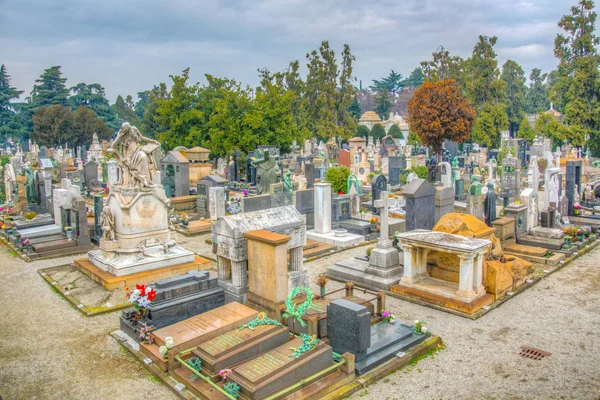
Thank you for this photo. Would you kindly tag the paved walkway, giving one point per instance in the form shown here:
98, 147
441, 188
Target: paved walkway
48, 350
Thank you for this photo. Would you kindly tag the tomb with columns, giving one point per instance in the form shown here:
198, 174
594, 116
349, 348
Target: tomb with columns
230, 236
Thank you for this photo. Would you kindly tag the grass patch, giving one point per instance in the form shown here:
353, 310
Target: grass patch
428, 354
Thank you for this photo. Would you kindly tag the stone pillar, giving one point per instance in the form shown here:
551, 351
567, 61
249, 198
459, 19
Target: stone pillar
322, 207
223, 268
239, 273
465, 283
267, 270
420, 270
478, 274
410, 266
296, 258
216, 202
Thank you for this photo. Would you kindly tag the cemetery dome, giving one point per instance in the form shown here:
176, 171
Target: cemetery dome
370, 116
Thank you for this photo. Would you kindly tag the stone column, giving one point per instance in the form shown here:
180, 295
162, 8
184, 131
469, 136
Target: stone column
465, 283
478, 274
322, 207
239, 273
216, 202
223, 269
421, 267
409, 264
296, 258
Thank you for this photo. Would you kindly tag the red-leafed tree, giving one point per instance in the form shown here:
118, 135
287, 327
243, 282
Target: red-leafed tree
438, 112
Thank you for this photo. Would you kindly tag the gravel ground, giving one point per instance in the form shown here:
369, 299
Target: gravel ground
51, 351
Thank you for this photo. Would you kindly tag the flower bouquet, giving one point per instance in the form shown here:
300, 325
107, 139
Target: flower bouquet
141, 297
420, 327
169, 344
388, 317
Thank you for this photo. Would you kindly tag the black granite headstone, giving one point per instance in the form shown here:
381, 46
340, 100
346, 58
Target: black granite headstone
349, 328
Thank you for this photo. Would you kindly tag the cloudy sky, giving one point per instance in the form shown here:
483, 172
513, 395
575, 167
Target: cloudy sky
127, 46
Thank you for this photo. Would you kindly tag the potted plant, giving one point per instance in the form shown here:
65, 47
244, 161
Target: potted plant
577, 209
322, 280
419, 327
579, 234
185, 219
388, 317
69, 232
373, 221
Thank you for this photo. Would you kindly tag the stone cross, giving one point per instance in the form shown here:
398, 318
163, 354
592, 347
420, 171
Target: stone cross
384, 204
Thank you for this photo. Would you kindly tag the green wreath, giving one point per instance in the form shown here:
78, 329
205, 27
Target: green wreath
295, 311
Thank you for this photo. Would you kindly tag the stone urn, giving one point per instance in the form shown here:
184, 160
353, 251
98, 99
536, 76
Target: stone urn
69, 233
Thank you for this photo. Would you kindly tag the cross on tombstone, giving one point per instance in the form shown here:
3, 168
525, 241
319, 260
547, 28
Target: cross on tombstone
384, 204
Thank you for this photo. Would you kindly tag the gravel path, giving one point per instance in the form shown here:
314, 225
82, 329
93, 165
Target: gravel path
48, 350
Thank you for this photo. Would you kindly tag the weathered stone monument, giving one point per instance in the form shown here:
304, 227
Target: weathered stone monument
420, 204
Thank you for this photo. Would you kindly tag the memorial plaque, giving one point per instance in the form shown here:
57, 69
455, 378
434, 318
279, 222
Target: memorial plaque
278, 369
257, 203
239, 345
213, 321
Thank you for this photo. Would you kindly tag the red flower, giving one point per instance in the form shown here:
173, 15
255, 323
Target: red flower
341, 192
142, 289
151, 295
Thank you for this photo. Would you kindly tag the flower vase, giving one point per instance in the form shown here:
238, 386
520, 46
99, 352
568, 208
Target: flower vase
580, 237
185, 222
373, 228
69, 235
322, 292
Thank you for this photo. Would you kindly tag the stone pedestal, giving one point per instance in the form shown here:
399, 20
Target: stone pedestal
143, 239
322, 207
475, 206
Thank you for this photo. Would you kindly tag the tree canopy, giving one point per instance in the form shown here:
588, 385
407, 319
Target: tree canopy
438, 112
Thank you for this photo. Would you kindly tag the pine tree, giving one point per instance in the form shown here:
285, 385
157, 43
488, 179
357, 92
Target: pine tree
10, 123
50, 89
537, 98
514, 78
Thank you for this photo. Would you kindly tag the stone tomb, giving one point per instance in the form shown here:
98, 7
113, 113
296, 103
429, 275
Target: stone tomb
468, 295
231, 246
238, 345
278, 369
175, 169
195, 331
178, 298
349, 330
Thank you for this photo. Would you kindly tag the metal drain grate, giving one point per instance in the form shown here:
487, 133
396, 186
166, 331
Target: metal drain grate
534, 354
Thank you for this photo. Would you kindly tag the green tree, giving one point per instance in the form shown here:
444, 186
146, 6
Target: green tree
383, 104
525, 130
378, 132
184, 123
416, 78
483, 83
9, 120
537, 98
548, 126
49, 89
363, 131
93, 96
85, 123
395, 132
124, 109
576, 86
514, 79
53, 125
150, 126
140, 104
328, 93
354, 108
413, 139
443, 67
338, 177
489, 124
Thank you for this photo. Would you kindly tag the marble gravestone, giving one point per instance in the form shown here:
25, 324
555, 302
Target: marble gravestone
420, 204
177, 299
378, 186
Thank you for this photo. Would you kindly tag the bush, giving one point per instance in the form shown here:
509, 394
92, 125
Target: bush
378, 132
395, 132
29, 215
363, 131
369, 249
421, 171
338, 177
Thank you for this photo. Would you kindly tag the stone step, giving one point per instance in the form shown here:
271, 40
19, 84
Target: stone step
48, 238
546, 243
527, 250
40, 231
54, 245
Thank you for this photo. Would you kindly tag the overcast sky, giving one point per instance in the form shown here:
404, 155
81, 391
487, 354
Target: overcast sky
128, 46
